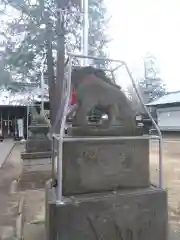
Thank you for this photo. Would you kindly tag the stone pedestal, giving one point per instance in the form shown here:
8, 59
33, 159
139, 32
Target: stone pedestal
107, 192
36, 158
38, 142
36, 172
139, 214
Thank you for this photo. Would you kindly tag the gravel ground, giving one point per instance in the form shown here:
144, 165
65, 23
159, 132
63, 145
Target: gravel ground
171, 154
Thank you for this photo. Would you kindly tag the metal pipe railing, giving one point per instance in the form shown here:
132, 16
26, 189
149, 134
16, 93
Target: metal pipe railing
104, 139
77, 55
61, 139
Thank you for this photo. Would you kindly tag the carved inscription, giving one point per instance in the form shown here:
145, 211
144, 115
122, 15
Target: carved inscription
126, 160
105, 154
90, 155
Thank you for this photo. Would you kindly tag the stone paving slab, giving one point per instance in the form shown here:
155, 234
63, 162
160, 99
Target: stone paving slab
34, 205
34, 231
34, 215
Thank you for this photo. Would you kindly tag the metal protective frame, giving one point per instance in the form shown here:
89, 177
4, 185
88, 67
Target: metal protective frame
60, 137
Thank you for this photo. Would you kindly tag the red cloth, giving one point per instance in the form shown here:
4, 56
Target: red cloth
73, 92
73, 97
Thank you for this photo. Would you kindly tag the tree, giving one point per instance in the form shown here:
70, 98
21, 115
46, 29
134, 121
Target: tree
5, 77
150, 87
26, 34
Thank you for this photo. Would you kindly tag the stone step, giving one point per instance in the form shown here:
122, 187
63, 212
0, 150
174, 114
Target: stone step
36, 155
129, 214
33, 180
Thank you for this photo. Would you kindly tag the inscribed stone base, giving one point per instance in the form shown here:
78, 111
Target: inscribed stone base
102, 166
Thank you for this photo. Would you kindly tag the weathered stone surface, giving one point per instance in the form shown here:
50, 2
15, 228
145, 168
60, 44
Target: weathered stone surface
95, 166
122, 215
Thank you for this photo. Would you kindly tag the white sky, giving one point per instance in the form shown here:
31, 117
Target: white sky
139, 27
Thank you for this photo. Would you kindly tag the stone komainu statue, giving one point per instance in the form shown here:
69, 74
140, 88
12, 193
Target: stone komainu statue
96, 91
37, 118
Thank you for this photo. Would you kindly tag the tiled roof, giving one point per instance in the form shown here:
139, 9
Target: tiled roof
21, 98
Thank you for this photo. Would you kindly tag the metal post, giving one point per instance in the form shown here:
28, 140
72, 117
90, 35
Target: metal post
113, 78
53, 159
42, 86
85, 34
161, 180
58, 91
60, 142
27, 122
8, 125
1, 124
15, 128
82, 31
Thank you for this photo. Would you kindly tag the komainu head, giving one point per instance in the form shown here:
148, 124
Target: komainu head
79, 73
